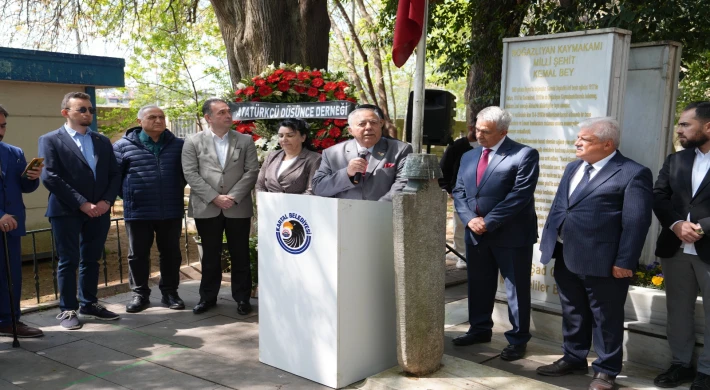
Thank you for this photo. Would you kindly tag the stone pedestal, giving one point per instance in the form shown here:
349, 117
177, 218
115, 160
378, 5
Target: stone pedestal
419, 239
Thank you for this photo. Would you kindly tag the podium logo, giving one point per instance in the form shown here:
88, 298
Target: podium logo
293, 233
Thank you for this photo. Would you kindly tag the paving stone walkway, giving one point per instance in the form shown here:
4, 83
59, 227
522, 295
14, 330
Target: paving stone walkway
167, 349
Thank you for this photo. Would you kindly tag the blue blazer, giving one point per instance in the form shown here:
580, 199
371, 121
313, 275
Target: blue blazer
12, 163
69, 178
606, 224
505, 197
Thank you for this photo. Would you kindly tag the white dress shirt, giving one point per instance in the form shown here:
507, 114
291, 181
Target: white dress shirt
284, 165
221, 145
493, 149
700, 169
580, 172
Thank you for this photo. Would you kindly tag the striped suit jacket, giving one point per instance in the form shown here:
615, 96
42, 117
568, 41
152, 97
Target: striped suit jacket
296, 179
606, 224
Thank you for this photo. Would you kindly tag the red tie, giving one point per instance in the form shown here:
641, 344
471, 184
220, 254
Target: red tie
482, 165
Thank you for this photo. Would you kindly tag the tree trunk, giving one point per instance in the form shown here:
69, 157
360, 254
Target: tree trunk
257, 33
484, 78
376, 59
354, 76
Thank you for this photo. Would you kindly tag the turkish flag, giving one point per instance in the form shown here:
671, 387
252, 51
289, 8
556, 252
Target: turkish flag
407, 29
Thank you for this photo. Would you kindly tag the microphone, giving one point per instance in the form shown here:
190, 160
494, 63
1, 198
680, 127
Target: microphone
358, 175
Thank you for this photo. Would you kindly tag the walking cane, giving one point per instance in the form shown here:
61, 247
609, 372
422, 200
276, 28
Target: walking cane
15, 342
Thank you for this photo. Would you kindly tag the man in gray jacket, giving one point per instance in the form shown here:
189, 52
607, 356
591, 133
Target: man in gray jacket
378, 160
221, 167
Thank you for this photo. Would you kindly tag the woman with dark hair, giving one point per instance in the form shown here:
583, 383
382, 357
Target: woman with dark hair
290, 169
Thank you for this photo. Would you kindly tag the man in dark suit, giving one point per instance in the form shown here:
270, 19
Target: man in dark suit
82, 177
595, 230
681, 201
381, 168
494, 198
221, 167
449, 164
12, 222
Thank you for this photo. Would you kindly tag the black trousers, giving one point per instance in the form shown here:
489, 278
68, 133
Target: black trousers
237, 233
141, 234
592, 312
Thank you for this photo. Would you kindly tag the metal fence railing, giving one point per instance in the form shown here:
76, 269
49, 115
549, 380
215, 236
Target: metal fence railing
115, 223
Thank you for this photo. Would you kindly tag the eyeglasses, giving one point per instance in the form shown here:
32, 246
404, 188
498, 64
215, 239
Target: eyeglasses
83, 110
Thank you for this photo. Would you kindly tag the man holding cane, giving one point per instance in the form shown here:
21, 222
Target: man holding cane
12, 225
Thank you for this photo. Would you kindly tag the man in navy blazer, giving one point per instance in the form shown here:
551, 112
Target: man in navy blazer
493, 196
12, 222
596, 230
83, 180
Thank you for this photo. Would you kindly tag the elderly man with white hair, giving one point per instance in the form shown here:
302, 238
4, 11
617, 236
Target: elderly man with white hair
368, 167
595, 231
493, 197
149, 161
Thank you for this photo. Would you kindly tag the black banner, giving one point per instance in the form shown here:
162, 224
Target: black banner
245, 111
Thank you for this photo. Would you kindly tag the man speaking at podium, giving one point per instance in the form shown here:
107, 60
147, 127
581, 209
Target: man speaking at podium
368, 167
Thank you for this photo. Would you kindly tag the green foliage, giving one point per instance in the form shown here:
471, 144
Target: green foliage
116, 120
695, 86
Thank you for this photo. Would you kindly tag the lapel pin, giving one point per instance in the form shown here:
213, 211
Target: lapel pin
381, 153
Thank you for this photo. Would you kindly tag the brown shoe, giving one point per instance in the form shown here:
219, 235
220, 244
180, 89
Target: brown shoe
602, 381
23, 331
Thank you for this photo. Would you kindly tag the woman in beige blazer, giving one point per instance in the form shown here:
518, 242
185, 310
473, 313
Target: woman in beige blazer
290, 169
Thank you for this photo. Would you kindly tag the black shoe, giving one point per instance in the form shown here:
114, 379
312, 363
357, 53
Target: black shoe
203, 306
602, 381
243, 308
701, 382
173, 301
562, 367
470, 339
513, 352
674, 376
137, 304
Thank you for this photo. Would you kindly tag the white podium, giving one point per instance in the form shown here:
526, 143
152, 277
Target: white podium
326, 287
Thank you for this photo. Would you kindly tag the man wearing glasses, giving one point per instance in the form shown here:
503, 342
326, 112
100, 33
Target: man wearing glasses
83, 180
368, 167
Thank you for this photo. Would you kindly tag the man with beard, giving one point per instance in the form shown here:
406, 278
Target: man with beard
82, 177
681, 201
12, 222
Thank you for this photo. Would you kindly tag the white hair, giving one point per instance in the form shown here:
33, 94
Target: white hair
605, 128
352, 114
495, 114
143, 109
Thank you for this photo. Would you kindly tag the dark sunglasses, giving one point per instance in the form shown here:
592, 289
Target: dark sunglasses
83, 110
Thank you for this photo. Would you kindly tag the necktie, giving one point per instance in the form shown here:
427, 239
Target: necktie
482, 165
585, 180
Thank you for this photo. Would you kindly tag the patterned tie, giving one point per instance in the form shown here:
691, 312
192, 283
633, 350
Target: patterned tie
585, 180
482, 165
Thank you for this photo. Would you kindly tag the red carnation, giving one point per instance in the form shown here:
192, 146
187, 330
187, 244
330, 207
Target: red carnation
317, 82
237, 92
316, 73
351, 99
289, 75
256, 99
273, 78
330, 86
238, 99
322, 97
259, 82
340, 95
342, 84
312, 92
316, 143
249, 90
327, 142
334, 132
283, 86
255, 137
278, 72
321, 133
340, 122
327, 121
303, 76
265, 90
300, 88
